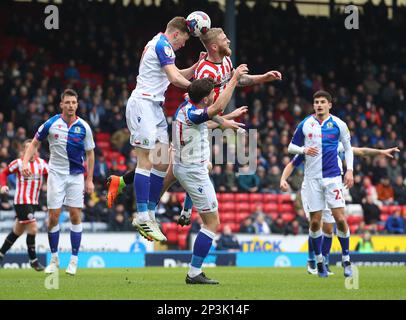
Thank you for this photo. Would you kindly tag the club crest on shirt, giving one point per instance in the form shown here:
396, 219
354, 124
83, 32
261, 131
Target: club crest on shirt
168, 52
330, 125
77, 130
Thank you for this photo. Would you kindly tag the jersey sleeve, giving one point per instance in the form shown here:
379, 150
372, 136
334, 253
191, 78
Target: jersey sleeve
340, 148
165, 53
13, 166
43, 130
89, 142
197, 116
298, 136
297, 160
345, 138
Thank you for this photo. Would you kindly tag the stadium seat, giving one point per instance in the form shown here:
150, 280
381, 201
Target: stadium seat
353, 228
288, 217
381, 227
404, 211
103, 137
253, 206
286, 207
355, 219
282, 198
385, 209
182, 241
270, 207
268, 198
168, 227
256, 197
239, 217
242, 206
393, 209
227, 218
241, 197
182, 230
384, 217
226, 197
235, 227
227, 207
104, 145
172, 236
274, 216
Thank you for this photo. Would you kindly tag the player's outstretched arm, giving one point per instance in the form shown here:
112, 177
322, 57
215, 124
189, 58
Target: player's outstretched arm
223, 123
250, 80
89, 186
31, 150
175, 77
188, 73
371, 152
226, 122
226, 95
287, 171
236, 113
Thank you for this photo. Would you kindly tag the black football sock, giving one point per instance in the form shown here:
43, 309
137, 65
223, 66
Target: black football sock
31, 247
128, 177
11, 238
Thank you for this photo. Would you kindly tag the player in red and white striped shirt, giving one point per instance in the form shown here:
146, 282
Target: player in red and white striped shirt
218, 66
25, 203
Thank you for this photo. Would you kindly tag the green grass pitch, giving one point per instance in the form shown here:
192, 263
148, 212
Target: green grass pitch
235, 283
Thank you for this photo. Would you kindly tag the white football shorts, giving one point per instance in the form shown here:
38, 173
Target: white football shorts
65, 189
146, 122
319, 194
196, 181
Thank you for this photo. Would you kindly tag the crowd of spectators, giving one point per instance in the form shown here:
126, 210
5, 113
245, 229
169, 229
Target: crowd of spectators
365, 70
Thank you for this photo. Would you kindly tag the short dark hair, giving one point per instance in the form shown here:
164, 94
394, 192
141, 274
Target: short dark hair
200, 88
323, 94
178, 23
69, 92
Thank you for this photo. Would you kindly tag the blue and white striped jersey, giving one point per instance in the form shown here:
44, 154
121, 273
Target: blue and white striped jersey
325, 136
152, 81
190, 140
67, 144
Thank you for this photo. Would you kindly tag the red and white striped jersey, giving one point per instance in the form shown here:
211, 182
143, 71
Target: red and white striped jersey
28, 189
221, 73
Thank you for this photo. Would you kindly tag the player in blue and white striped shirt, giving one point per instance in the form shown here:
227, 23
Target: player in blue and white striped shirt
70, 142
327, 217
317, 137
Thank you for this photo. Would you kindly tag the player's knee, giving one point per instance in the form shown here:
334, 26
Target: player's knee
328, 228
341, 223
314, 225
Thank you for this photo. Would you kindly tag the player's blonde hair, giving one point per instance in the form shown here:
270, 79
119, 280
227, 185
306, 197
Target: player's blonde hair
210, 36
177, 23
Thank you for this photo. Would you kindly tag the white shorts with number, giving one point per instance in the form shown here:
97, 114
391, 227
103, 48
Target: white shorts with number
146, 122
327, 215
66, 189
196, 182
319, 194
